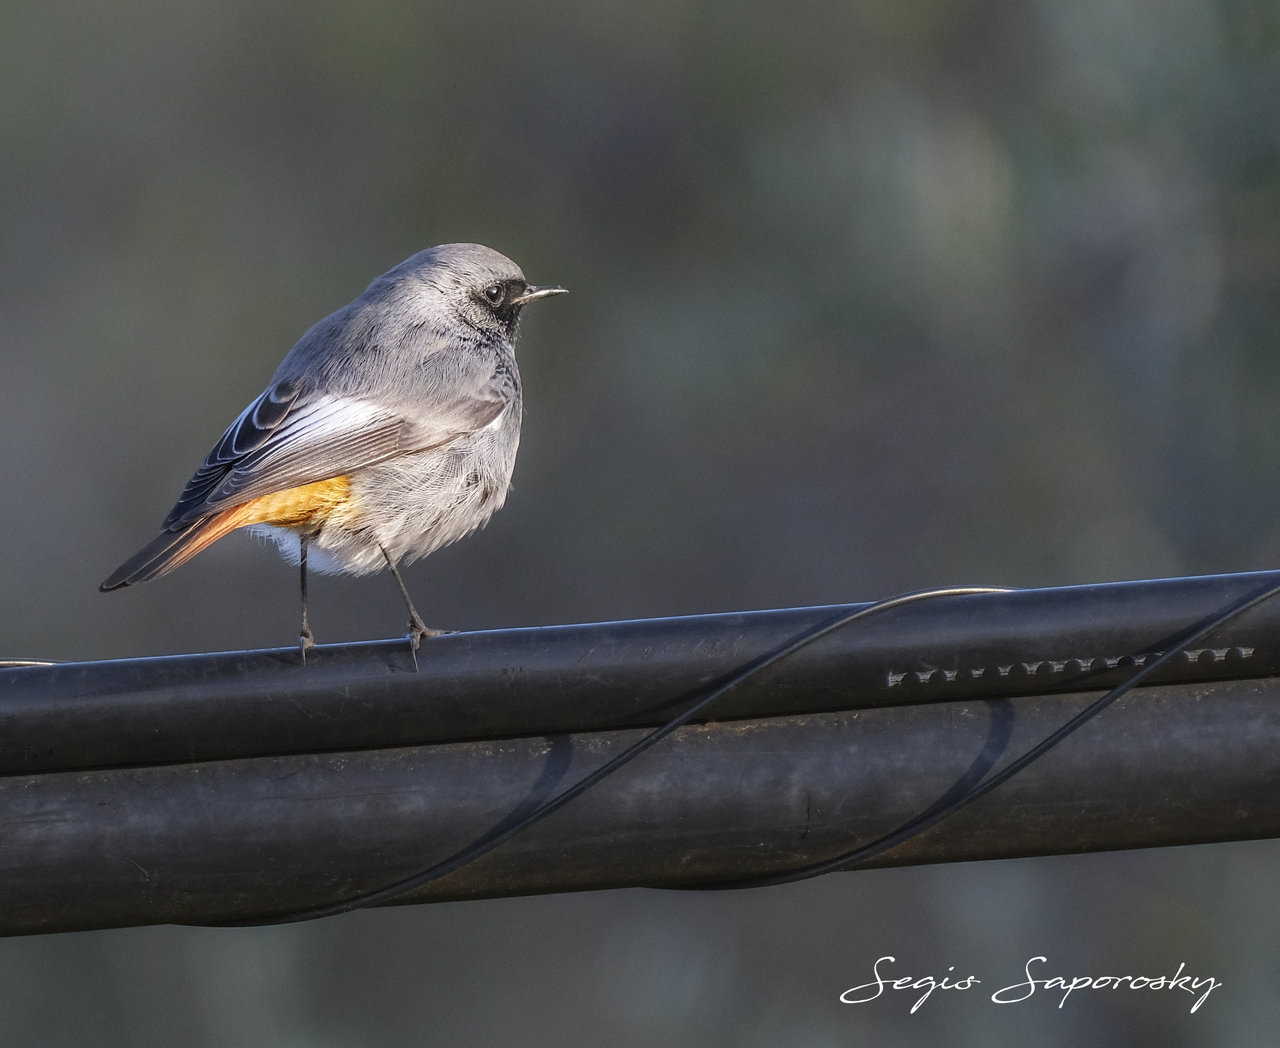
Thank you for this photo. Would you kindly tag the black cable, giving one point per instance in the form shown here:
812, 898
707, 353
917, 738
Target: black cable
932, 817
919, 824
486, 843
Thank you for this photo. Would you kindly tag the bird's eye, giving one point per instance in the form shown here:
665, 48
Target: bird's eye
494, 293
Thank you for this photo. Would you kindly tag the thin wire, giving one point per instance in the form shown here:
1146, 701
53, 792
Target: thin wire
929, 819
488, 842
845, 861
919, 824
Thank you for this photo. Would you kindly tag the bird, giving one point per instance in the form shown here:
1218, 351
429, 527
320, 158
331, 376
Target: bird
387, 432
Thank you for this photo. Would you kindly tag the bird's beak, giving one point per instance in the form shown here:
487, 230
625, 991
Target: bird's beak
532, 294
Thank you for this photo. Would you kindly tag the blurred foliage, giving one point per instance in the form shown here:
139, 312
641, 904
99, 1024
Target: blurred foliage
866, 296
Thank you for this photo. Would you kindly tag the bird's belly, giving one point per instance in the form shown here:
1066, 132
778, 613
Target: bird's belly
410, 506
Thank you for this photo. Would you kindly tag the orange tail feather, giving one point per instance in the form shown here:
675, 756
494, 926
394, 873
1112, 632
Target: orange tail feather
173, 549
291, 508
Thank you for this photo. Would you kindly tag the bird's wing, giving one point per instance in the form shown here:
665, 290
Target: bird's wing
291, 436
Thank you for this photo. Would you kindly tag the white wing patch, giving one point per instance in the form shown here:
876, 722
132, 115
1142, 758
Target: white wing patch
322, 438
287, 438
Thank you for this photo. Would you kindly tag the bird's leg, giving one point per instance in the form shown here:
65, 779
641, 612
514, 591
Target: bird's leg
417, 628
305, 637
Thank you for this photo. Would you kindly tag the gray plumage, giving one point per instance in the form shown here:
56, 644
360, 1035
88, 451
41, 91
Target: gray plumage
411, 391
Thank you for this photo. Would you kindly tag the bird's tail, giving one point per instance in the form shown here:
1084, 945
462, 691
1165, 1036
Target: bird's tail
173, 549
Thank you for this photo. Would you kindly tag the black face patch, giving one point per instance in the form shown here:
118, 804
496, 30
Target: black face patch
498, 298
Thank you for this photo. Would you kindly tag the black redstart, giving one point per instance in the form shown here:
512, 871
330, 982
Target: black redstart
387, 432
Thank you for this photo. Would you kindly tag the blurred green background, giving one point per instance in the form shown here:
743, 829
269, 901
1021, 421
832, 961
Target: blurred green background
867, 296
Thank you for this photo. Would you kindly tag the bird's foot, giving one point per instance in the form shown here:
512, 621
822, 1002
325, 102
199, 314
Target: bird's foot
306, 641
417, 631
